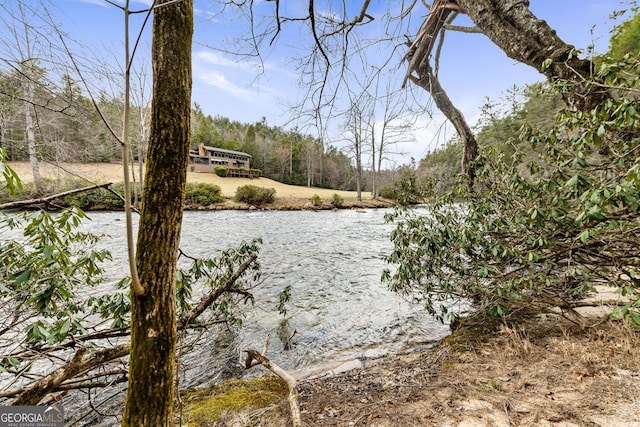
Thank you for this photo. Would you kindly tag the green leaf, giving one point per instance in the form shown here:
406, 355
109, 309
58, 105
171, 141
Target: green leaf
584, 236
42, 331
636, 317
572, 182
21, 277
64, 328
47, 252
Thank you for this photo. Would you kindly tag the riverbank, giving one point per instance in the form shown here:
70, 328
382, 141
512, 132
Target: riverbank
288, 197
544, 371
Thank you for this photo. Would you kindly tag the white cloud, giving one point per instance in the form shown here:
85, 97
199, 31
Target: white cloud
96, 2
217, 79
210, 57
239, 79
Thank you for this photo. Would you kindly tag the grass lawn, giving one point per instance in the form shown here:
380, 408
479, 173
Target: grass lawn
291, 196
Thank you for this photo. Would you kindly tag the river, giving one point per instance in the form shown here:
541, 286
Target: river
332, 260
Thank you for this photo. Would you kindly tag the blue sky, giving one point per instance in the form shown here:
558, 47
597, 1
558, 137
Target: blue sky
247, 89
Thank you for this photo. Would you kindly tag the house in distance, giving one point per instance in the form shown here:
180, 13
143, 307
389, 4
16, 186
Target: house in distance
222, 162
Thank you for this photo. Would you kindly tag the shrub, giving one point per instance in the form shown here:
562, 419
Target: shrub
26, 191
203, 194
316, 200
409, 190
85, 200
112, 201
388, 193
221, 171
535, 232
254, 195
337, 201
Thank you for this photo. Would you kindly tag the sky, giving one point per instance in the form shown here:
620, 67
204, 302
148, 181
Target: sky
247, 89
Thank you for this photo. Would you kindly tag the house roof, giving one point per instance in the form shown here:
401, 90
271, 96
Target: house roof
222, 150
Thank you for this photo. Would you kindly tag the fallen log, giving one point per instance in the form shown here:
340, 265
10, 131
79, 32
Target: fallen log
47, 199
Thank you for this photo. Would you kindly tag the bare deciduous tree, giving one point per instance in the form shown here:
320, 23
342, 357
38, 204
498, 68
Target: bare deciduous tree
337, 40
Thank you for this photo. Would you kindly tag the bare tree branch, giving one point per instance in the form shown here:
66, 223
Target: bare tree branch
208, 299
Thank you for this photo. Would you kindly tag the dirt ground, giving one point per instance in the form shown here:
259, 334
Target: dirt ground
544, 372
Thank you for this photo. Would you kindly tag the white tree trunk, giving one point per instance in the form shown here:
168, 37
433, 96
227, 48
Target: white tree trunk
31, 138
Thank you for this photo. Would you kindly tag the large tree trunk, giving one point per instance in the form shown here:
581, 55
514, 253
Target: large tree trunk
150, 392
523, 37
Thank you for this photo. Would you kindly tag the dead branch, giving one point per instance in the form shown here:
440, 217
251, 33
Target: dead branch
420, 50
47, 199
91, 379
92, 384
255, 358
34, 393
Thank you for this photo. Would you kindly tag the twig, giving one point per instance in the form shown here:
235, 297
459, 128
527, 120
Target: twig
506, 406
212, 296
287, 345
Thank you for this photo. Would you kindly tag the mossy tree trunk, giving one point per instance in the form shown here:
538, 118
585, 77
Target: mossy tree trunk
150, 392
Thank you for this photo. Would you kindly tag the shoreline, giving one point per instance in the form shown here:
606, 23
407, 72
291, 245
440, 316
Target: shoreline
541, 371
287, 197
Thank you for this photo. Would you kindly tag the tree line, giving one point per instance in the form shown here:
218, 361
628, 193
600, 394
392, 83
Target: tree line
59, 123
